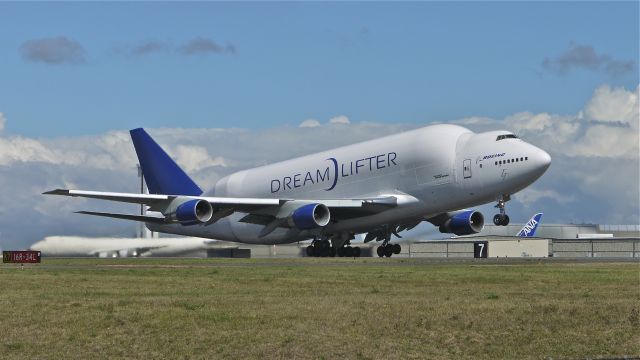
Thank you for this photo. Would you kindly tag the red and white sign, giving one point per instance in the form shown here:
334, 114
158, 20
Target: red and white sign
21, 256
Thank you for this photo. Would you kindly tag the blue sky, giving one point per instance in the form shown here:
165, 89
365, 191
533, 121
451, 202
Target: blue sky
228, 86
382, 62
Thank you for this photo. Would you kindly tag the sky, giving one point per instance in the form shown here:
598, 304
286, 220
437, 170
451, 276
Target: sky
227, 86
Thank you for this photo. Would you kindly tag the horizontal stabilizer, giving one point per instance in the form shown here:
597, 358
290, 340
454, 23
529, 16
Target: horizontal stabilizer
150, 219
113, 196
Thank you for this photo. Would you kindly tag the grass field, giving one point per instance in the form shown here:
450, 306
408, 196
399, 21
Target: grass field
319, 308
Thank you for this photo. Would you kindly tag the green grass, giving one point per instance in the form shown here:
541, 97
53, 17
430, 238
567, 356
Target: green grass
319, 308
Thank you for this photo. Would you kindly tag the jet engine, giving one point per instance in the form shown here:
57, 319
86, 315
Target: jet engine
464, 223
192, 212
310, 216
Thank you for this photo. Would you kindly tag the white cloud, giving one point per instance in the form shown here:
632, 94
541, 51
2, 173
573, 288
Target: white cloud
613, 105
193, 158
532, 195
3, 120
341, 119
309, 123
608, 126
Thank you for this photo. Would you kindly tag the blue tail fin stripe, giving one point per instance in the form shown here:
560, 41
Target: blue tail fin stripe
162, 174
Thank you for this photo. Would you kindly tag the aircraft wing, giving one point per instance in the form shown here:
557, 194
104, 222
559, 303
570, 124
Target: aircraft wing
259, 210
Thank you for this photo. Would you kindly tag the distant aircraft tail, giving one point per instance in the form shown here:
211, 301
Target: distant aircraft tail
162, 174
529, 229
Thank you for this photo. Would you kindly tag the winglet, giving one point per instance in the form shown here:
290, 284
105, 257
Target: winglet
162, 174
56, 192
529, 229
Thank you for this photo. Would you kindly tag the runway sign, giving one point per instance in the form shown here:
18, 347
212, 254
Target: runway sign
21, 257
480, 249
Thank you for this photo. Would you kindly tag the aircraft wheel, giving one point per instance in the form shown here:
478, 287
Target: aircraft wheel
332, 251
348, 251
388, 251
505, 220
496, 220
356, 251
310, 251
340, 252
380, 251
396, 248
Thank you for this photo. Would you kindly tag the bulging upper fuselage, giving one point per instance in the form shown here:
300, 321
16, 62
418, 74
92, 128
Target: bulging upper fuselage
434, 169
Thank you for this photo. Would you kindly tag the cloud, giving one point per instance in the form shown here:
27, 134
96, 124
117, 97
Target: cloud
607, 127
530, 196
341, 119
309, 123
202, 45
195, 46
193, 158
585, 57
3, 120
338, 120
613, 105
149, 47
54, 51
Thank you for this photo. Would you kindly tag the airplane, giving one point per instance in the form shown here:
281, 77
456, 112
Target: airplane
380, 187
71, 246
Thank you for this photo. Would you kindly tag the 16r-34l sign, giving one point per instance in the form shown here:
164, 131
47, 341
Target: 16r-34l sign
20, 257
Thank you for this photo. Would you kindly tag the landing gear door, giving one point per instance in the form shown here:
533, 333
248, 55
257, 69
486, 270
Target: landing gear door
466, 168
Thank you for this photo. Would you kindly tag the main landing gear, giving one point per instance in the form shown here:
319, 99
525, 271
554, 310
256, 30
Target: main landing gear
323, 248
387, 249
502, 219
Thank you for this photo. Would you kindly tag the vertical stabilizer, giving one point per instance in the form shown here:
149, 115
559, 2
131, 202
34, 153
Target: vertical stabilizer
529, 229
162, 174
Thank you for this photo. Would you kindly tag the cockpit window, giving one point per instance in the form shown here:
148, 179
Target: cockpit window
506, 136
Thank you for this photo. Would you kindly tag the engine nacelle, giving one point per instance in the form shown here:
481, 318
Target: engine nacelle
193, 212
310, 216
464, 223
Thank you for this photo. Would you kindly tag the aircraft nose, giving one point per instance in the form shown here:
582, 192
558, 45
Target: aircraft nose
542, 160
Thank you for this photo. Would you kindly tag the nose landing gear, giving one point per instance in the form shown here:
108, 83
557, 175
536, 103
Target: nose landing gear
502, 219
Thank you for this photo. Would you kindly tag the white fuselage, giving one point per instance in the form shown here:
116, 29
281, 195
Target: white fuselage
71, 246
444, 167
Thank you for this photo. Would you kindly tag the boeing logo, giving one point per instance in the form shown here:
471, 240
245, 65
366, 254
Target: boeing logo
333, 172
493, 156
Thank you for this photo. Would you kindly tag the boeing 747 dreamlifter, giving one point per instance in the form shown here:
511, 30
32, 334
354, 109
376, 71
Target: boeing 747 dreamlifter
379, 187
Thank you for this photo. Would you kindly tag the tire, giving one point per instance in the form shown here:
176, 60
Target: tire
397, 248
496, 220
505, 221
332, 251
388, 251
340, 252
356, 252
348, 251
380, 251
310, 251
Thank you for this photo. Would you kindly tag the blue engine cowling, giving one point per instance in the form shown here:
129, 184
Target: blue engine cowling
310, 216
193, 212
464, 223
